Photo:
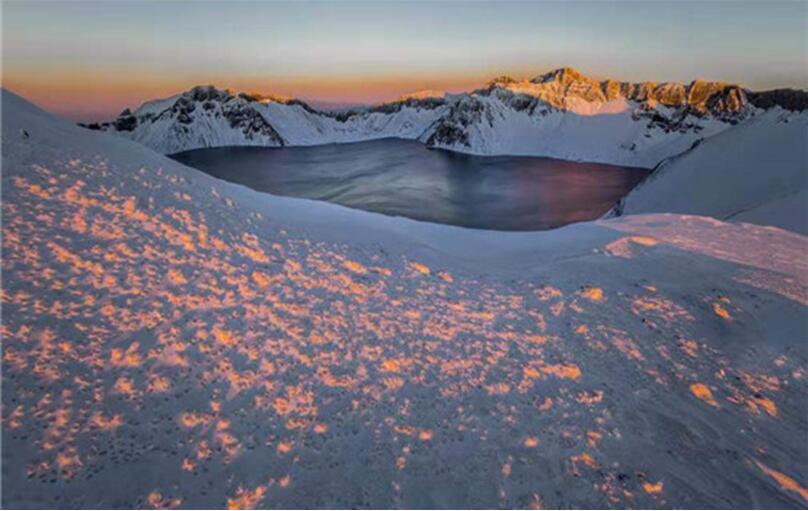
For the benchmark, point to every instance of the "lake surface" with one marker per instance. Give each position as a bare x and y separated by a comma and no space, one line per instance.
402,177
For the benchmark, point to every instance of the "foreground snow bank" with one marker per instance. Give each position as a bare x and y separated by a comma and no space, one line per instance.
212,346
757,172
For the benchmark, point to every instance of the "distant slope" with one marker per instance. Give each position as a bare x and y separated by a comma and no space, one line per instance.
756,172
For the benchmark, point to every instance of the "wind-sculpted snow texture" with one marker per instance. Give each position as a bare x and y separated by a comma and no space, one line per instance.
170,340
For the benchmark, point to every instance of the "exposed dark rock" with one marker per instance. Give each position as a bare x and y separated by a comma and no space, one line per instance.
207,93
251,123
451,130
125,122
789,99
447,134
396,106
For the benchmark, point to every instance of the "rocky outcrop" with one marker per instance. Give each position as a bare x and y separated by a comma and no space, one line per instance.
561,88
787,99
452,129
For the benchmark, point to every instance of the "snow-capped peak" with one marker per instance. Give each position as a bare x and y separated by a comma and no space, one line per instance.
562,75
566,88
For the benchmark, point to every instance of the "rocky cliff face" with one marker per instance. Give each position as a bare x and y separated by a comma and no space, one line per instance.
563,88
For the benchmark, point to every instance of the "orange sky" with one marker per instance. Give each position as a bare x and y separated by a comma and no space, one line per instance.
112,94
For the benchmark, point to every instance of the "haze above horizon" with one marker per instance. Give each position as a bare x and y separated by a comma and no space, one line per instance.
87,60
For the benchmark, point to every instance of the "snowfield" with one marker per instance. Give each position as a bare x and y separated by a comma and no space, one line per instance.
171,340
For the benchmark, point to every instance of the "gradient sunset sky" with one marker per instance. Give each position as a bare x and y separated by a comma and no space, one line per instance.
89,60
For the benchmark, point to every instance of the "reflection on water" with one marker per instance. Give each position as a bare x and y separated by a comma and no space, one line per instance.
402,177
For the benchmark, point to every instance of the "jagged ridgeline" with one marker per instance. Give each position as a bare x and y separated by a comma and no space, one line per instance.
561,89
562,114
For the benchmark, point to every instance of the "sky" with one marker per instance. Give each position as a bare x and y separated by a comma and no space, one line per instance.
87,60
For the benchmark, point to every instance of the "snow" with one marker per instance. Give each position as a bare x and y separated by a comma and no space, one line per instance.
206,131
756,172
172,340
616,131
299,127
601,132
156,106
572,104
295,125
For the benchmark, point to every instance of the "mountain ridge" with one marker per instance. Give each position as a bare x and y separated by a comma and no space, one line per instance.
616,122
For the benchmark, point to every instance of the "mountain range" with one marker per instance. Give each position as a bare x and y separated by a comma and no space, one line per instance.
562,114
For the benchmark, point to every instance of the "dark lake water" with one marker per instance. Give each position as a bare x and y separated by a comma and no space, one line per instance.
402,177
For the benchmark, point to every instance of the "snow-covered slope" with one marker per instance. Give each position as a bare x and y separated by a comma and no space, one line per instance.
210,346
757,172
567,115
561,114
490,125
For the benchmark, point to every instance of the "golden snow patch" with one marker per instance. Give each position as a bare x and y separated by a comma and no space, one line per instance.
566,371
720,311
653,487
702,392
420,268
594,294
246,499
260,278
644,240
355,267
786,483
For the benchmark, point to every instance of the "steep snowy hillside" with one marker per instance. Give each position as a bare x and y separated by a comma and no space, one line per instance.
208,117
171,340
757,172
561,114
